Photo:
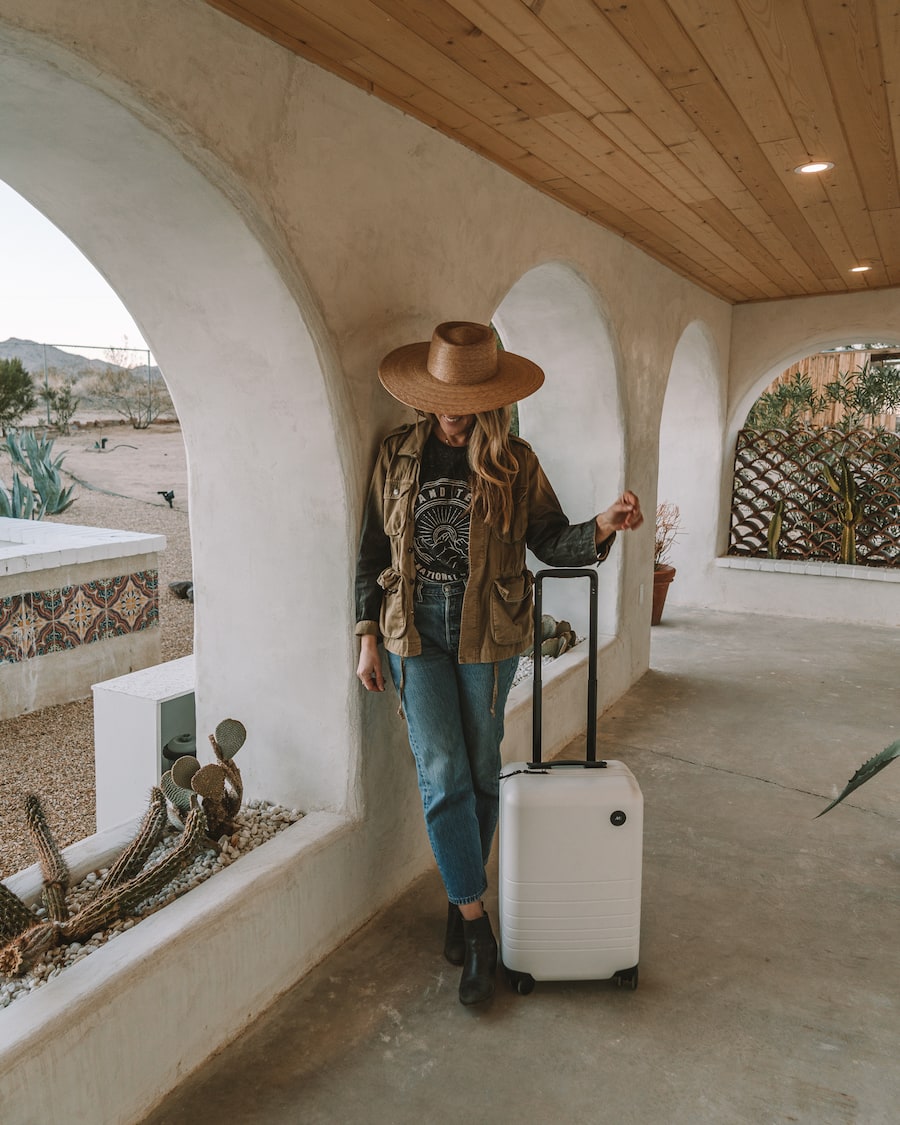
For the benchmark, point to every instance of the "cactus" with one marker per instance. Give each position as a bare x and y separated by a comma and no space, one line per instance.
557,637
850,509
177,796
774,533
183,770
15,917
218,784
209,782
53,867
23,951
109,906
230,736
208,808
225,804
133,858
119,902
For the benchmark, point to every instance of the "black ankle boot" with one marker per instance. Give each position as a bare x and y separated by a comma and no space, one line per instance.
477,981
454,942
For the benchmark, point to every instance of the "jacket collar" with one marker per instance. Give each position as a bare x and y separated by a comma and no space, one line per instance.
412,442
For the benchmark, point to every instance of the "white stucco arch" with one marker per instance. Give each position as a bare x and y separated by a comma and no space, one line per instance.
690,456
768,337
250,377
553,316
776,366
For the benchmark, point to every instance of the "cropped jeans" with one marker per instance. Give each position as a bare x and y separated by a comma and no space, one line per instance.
455,738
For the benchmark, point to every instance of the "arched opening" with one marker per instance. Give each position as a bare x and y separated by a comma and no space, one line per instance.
574,422
249,377
690,456
817,462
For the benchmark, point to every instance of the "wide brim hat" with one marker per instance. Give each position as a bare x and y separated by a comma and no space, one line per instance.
460,370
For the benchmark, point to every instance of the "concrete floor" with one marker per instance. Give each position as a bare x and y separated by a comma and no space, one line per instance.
770,970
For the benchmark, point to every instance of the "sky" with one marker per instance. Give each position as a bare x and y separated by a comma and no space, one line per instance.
49,292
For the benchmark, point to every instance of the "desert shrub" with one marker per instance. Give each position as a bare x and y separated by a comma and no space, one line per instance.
16,392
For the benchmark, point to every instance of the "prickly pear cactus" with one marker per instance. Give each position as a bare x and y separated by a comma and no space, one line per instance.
231,734
557,637
218,784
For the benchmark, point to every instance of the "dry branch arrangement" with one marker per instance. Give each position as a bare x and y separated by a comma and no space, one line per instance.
204,801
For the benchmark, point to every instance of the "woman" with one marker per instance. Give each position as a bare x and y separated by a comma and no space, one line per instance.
441,579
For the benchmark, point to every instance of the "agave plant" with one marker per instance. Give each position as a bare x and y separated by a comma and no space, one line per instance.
867,771
45,496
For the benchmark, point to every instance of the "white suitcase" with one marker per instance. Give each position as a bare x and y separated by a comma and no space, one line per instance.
571,843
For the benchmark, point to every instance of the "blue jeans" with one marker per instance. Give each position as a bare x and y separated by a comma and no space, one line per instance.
454,738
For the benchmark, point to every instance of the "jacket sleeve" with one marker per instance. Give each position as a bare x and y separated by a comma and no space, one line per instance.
554,540
374,553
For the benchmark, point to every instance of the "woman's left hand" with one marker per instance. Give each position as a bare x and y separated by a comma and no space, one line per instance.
623,514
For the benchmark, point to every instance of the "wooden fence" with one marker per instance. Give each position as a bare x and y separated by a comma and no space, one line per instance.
825,367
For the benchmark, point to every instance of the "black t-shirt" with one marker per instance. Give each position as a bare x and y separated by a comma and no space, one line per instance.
441,513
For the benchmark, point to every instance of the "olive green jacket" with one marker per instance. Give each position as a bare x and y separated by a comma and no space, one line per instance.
497,604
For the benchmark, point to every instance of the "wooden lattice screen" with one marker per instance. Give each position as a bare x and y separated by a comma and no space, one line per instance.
788,465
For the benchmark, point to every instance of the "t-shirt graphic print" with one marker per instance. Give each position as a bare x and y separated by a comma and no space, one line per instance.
441,514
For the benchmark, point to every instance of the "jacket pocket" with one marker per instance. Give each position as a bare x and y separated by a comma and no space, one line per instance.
395,605
511,609
518,528
396,504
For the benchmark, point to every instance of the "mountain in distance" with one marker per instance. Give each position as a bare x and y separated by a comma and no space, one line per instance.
66,363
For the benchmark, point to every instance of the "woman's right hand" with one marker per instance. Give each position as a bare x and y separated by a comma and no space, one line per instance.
369,669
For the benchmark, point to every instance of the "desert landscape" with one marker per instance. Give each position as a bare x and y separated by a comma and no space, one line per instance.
119,475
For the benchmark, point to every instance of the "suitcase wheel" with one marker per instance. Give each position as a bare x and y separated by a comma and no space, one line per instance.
523,983
627,978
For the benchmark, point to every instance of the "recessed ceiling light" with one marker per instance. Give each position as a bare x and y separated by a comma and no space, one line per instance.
859,269
813,167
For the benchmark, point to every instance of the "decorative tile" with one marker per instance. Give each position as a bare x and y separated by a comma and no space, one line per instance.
10,611
94,592
59,620
78,612
104,626
111,588
138,602
47,604
23,628
54,636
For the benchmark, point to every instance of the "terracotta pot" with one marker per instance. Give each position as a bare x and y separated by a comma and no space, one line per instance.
662,576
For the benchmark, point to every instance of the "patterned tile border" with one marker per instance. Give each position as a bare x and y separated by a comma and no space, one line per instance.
64,618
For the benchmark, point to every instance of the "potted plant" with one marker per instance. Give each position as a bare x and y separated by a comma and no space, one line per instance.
668,523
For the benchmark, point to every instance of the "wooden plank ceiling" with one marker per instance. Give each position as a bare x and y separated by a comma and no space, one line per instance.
676,123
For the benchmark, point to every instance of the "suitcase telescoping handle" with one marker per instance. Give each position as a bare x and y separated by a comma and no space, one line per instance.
591,750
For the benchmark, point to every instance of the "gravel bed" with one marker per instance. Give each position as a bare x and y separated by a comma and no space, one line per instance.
51,752
256,823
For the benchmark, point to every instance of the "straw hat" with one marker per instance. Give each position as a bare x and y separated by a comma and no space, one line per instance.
461,371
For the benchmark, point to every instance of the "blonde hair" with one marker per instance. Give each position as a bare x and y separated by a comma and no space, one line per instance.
494,467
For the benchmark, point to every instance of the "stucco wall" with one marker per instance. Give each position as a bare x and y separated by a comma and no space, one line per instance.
290,231
274,232
766,339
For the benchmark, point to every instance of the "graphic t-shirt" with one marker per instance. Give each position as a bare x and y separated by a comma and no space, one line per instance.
441,513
